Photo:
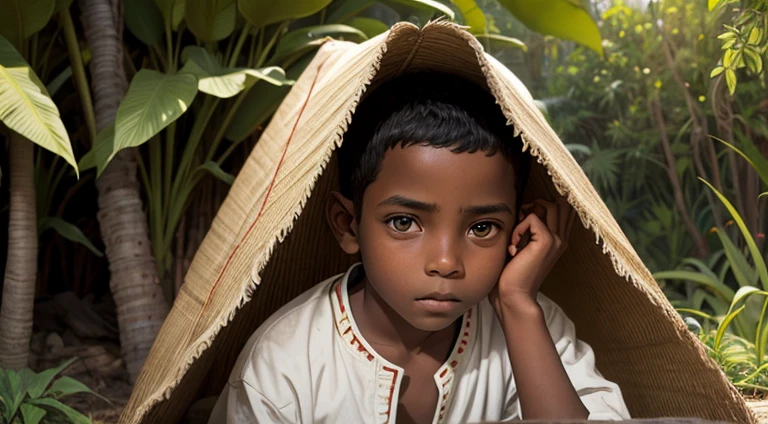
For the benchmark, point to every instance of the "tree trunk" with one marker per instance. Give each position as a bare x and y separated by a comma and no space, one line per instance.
141,307
699,243
21,268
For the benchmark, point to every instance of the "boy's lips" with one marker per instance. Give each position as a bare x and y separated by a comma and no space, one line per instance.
438,302
439,296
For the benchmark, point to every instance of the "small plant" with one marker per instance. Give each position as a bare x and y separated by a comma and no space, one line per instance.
743,361
27,397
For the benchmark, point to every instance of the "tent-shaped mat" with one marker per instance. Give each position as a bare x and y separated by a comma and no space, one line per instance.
269,242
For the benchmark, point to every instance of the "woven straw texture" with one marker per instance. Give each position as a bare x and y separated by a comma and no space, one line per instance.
269,243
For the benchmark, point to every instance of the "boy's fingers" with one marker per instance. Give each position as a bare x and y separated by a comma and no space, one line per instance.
552,215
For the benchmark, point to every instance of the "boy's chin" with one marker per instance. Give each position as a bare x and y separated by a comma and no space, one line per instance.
433,323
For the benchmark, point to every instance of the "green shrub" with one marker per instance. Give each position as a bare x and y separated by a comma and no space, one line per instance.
27,397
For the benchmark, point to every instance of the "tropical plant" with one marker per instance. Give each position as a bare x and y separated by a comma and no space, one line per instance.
744,361
27,397
745,42
28,112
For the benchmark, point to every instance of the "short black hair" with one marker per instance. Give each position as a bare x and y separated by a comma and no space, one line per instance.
430,109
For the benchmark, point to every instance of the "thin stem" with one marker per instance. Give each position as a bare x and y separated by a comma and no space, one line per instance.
44,61
201,122
252,49
230,45
169,43
33,51
177,210
758,335
228,152
177,52
225,124
239,45
78,71
156,201
154,59
143,171
170,139
270,44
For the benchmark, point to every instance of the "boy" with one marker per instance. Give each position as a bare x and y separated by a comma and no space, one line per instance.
407,335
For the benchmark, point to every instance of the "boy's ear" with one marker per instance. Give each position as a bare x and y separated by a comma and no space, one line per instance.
340,213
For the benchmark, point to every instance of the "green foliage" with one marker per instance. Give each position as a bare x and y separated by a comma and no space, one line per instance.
211,20
153,102
26,107
29,17
260,13
563,19
744,43
27,397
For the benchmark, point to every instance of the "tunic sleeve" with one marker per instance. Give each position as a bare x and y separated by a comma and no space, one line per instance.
601,397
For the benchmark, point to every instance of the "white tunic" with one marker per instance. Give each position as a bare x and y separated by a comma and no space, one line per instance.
308,363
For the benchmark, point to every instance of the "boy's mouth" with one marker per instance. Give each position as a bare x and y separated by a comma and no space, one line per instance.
439,297
438,302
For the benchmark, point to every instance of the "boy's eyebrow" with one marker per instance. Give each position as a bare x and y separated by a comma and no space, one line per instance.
399,200
487,209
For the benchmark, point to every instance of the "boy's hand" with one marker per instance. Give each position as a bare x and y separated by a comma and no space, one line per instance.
537,243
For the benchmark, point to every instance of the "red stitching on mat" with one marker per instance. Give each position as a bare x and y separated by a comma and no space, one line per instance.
266,196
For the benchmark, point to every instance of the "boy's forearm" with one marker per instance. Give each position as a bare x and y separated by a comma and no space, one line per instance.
543,387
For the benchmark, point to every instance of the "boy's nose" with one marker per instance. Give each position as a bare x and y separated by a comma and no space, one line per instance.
445,259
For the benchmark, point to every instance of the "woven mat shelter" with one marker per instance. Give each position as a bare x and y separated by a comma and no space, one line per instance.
269,242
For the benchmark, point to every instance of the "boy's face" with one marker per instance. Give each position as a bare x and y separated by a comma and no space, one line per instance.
434,231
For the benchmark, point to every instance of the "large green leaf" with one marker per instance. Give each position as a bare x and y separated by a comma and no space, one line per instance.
20,19
11,385
32,414
369,26
713,284
66,386
261,102
342,11
68,231
757,256
224,82
145,21
211,20
561,18
172,10
473,15
26,108
260,13
752,155
40,382
152,102
497,41
74,416
745,275
305,39
418,12
431,6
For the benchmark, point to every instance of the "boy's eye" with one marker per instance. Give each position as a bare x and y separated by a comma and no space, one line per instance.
401,224
483,229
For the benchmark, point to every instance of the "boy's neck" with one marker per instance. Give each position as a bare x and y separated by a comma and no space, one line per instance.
387,331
